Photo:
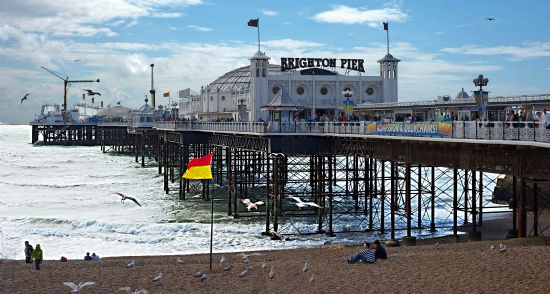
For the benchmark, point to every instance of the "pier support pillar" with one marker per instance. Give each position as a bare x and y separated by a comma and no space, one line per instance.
522,213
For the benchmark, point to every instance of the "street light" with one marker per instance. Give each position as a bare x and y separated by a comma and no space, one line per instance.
481,99
348,104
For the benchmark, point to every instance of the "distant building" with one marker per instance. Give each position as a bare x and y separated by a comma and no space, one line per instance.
247,93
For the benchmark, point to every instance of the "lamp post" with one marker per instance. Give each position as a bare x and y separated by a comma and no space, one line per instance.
481,99
348,93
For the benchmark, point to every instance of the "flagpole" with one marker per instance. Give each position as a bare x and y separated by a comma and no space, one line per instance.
258,34
211,229
388,39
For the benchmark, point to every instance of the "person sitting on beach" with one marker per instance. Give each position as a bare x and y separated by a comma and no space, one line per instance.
87,257
379,251
95,257
28,252
364,255
37,256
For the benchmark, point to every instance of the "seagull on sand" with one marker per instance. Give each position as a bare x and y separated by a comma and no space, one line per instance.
246,256
264,265
249,204
204,278
133,291
306,268
492,247
502,248
158,279
131,264
312,279
228,267
25,97
124,197
272,273
302,204
244,273
78,287
197,274
179,260
222,259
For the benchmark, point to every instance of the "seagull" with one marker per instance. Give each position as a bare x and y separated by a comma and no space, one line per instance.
246,256
502,247
228,267
78,287
272,272
492,247
302,204
222,259
277,236
91,92
133,291
244,273
196,196
124,197
249,204
264,265
204,278
490,18
76,60
25,97
179,260
312,279
158,278
197,274
306,268
131,264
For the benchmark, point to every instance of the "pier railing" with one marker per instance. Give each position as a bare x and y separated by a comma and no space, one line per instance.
482,130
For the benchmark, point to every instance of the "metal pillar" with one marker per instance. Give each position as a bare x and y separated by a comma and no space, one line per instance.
393,185
419,208
480,206
455,202
514,204
522,221
320,193
330,232
466,184
432,200
474,210
408,197
382,195
535,205
267,194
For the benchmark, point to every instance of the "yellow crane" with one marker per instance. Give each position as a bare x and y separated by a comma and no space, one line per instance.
67,83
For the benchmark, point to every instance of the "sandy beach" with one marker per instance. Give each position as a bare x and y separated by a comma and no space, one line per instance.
435,265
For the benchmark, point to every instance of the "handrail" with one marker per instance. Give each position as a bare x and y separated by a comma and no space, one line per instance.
482,130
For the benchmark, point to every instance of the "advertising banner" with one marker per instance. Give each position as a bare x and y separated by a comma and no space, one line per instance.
419,129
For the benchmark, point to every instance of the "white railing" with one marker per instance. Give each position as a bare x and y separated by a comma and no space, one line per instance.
518,131
114,124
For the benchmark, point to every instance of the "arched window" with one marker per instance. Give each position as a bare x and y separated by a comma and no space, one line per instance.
263,71
257,72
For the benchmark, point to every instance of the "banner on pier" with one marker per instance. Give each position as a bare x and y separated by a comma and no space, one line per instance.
199,168
419,129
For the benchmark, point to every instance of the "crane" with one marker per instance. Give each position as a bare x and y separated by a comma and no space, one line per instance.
152,91
66,83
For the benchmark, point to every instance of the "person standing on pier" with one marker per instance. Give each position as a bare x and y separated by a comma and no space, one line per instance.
37,255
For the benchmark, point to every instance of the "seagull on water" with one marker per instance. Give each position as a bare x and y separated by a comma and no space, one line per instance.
78,287
302,204
249,204
306,268
131,264
124,197
273,272
133,291
158,279
502,248
25,97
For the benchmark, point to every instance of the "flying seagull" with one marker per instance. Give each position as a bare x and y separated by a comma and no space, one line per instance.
490,18
78,287
91,92
249,204
302,204
25,97
76,60
124,197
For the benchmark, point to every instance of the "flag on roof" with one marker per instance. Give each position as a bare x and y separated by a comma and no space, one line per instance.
254,22
166,94
199,168
385,26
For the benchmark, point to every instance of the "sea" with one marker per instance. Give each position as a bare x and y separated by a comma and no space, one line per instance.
62,198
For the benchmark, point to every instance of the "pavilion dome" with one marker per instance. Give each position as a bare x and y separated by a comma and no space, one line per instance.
237,80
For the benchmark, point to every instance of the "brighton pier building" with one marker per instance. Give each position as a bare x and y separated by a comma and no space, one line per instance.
299,88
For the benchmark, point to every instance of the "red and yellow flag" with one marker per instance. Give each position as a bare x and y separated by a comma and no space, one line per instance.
199,168
166,94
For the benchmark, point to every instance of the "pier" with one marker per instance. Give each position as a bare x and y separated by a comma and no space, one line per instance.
386,178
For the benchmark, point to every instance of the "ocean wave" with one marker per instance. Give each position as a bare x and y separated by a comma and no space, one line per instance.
55,186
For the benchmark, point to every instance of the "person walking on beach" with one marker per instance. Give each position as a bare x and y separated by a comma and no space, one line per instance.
28,252
37,256
379,251
364,255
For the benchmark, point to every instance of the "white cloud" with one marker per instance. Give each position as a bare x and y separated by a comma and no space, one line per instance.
290,44
269,12
349,15
84,18
528,50
199,28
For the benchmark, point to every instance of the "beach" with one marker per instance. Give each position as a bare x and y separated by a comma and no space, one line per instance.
435,265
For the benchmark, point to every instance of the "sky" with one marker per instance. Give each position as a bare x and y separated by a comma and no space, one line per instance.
442,45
